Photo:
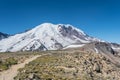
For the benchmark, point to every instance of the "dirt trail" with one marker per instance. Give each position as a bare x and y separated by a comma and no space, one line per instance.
12,72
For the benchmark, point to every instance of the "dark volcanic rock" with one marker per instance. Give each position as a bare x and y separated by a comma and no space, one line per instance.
104,47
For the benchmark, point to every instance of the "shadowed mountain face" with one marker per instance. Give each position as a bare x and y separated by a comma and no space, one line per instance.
104,48
3,35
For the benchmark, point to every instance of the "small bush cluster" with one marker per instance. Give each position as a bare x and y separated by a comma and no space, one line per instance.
7,63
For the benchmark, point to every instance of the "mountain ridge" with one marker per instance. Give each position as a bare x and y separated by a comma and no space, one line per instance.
46,36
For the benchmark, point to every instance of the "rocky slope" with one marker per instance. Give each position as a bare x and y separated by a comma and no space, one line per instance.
103,48
70,65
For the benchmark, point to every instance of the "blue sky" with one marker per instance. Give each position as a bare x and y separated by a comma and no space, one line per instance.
98,18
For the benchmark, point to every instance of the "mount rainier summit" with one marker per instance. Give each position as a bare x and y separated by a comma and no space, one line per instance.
47,36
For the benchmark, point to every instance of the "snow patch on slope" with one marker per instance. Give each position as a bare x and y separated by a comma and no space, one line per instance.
74,46
115,48
96,50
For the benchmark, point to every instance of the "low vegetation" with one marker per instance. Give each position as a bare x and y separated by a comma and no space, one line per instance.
4,65
66,65
9,59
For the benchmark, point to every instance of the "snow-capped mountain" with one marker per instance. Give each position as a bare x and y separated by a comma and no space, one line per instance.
46,36
3,35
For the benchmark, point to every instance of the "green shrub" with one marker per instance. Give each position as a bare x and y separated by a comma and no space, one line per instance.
4,65
11,61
